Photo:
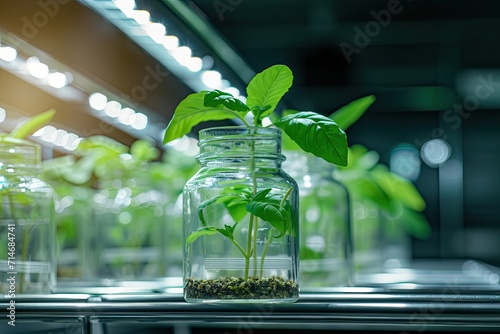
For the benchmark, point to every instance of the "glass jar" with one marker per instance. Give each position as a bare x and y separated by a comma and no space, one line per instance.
367,234
74,216
27,224
240,217
325,240
130,232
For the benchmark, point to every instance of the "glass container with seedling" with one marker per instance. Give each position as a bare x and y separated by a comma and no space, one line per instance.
27,227
240,211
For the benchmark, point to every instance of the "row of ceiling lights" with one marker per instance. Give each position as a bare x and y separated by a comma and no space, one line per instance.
112,110
34,67
211,79
99,103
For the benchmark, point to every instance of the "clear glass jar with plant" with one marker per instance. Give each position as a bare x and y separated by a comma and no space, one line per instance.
245,205
27,226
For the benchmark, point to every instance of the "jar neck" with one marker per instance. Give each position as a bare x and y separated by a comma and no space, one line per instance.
19,158
240,146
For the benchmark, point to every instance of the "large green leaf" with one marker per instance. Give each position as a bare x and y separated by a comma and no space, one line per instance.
350,113
32,124
398,188
235,205
190,112
316,134
267,88
274,214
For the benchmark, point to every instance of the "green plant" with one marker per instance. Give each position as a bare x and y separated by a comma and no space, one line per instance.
24,210
312,132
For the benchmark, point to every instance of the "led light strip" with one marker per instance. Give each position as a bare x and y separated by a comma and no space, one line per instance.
113,110
195,71
58,137
10,60
34,71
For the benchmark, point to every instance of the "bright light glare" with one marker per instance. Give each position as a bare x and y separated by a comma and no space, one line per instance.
98,101
36,68
233,91
139,121
59,134
141,16
57,80
2,115
58,137
125,116
435,152
126,6
156,31
8,54
195,64
113,109
170,42
186,145
211,79
266,121
182,54
48,133
72,145
405,161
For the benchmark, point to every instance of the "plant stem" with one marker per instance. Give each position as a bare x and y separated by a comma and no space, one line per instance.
255,232
270,236
253,224
264,251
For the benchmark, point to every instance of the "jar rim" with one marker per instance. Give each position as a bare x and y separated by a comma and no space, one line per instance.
219,131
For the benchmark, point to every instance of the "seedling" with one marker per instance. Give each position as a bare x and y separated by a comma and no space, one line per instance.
311,131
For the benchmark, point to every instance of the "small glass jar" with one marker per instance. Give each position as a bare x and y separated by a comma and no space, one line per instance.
27,224
240,217
325,239
130,232
367,234
74,216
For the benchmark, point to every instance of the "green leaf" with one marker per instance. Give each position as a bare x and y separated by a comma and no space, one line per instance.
274,214
32,124
316,134
235,205
350,113
267,88
414,223
207,230
91,144
216,98
191,112
361,186
261,194
398,188
143,150
227,231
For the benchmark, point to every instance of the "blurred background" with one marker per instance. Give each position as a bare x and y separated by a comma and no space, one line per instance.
118,69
